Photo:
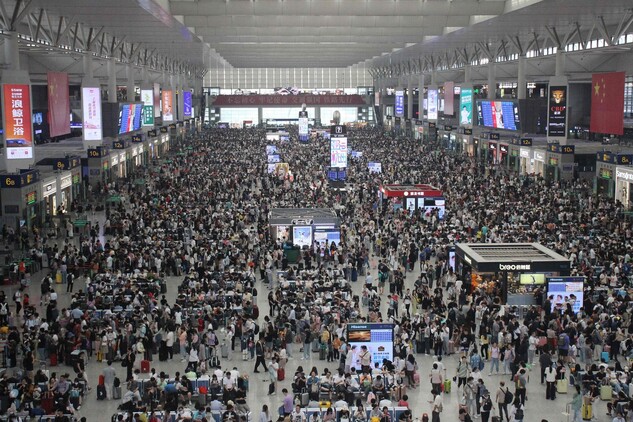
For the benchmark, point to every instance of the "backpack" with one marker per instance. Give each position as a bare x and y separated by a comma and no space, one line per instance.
487,405
561,340
518,414
3,308
256,330
508,396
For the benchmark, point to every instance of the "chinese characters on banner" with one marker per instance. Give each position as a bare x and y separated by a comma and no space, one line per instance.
17,121
186,99
91,108
168,110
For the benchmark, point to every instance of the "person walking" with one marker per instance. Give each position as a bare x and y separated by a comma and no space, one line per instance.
259,355
437,406
502,396
550,379
576,404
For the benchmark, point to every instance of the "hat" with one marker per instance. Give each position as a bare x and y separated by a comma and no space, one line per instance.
230,403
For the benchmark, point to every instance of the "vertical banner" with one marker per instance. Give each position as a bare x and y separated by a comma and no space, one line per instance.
58,104
157,100
168,106
557,112
607,103
432,104
18,128
377,98
466,107
449,88
147,98
91,108
303,126
399,110
186,103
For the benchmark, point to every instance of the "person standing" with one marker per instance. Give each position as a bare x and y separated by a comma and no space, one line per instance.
109,374
576,404
550,378
486,407
546,361
70,279
437,406
17,298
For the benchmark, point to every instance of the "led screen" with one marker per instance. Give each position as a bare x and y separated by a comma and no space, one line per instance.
378,338
498,114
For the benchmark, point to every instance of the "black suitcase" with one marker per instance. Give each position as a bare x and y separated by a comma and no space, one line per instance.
163,354
322,352
163,287
419,347
315,345
271,388
101,392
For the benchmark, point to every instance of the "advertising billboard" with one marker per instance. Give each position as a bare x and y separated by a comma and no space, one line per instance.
91,107
432,105
130,117
557,111
566,290
168,106
186,103
302,236
466,107
147,98
338,152
400,103
18,128
498,114
377,337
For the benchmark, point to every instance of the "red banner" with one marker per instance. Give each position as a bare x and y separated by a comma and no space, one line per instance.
18,127
58,104
607,103
289,100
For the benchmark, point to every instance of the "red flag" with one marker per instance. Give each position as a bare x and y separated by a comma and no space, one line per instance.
607,103
58,104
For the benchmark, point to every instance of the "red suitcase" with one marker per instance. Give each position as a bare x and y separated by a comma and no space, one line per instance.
281,374
101,380
144,366
53,359
48,403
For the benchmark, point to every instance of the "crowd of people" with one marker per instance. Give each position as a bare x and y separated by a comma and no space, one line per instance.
202,216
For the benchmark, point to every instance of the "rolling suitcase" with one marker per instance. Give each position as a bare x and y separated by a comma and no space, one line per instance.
53,359
116,393
245,354
561,386
322,352
604,357
451,347
224,351
447,386
101,392
144,366
163,355
586,412
354,274
606,392
315,346
281,374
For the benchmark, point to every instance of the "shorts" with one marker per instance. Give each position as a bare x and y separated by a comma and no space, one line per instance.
562,352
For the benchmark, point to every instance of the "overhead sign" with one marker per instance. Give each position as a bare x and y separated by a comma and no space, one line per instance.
432,104
118,144
286,100
168,106
147,98
18,128
466,106
561,149
338,152
19,180
67,163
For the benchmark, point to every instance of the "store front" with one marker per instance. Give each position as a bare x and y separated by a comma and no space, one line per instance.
464,141
64,190
98,166
623,188
606,164
504,160
539,162
49,197
72,165
20,199
515,272
425,199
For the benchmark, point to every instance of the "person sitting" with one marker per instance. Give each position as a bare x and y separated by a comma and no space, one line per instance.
130,400
378,387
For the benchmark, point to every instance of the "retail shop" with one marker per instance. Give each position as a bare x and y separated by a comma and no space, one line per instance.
559,162
66,166
539,162
98,169
623,188
606,165
448,137
20,195
516,271
465,143
519,156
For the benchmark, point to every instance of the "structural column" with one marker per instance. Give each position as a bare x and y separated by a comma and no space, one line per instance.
521,82
410,99
129,70
467,74
112,80
421,98
11,52
492,80
560,63
179,91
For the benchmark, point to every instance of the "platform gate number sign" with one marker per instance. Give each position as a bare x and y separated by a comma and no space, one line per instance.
338,146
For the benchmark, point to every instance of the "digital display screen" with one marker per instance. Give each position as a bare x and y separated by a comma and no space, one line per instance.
338,152
186,101
271,149
273,158
451,260
303,129
557,111
498,114
357,154
375,167
566,290
168,106
432,105
302,236
466,107
378,338
147,98
429,204
400,103
17,121
324,238
130,117
532,279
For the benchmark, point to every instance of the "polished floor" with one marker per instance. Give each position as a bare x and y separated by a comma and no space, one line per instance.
536,408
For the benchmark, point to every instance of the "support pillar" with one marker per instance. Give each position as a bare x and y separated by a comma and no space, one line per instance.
421,98
467,74
521,83
11,52
129,71
179,91
111,80
560,63
492,80
410,99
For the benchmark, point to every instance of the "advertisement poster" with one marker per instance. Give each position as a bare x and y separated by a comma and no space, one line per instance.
91,106
58,103
338,152
147,98
378,338
449,88
566,290
466,107
157,103
376,98
374,167
302,236
18,127
432,105
400,103
168,110
303,129
186,101
557,111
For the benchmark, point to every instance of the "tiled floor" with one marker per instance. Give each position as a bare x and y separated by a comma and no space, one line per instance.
536,409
